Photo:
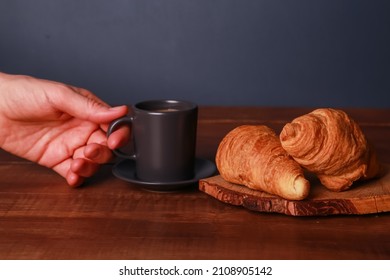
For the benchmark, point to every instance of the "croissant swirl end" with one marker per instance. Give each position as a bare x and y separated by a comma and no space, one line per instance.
251,155
330,144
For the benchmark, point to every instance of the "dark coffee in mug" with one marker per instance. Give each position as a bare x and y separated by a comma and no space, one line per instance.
165,110
164,139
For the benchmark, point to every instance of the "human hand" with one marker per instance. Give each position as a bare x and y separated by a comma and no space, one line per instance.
58,126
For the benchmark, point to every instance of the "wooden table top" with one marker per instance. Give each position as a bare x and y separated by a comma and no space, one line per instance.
42,218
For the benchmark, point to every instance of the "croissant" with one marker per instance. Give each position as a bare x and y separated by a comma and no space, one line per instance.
252,155
330,144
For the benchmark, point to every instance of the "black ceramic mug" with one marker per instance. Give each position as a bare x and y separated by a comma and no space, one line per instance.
164,139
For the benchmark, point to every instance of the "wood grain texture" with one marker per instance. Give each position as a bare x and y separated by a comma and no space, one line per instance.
368,197
42,218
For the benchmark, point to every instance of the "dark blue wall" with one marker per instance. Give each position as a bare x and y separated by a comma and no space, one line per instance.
229,52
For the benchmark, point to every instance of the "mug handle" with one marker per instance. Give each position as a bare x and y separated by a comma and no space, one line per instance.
113,126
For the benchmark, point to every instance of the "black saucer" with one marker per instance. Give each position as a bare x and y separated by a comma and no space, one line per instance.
125,170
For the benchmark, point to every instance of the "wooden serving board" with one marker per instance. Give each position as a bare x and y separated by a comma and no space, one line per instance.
366,197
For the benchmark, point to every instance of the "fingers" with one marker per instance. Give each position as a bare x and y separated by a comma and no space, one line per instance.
94,155
87,160
98,153
86,164
83,167
73,179
119,138
83,104
79,170
64,169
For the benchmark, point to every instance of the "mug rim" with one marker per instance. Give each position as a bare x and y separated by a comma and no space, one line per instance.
186,106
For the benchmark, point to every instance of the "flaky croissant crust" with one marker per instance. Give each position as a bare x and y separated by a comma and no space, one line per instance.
252,155
330,144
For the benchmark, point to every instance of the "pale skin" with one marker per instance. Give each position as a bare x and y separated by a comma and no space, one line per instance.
58,126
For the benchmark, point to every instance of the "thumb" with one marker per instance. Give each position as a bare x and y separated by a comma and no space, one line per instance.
83,104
